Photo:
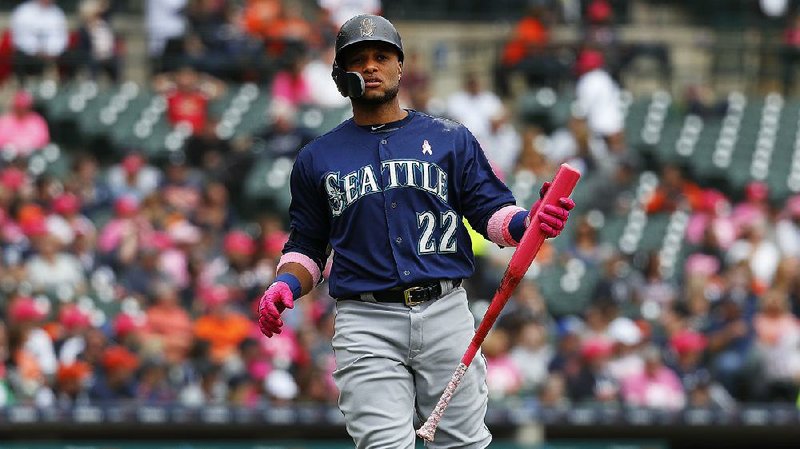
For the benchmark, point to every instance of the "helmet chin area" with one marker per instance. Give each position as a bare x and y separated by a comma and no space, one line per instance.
350,84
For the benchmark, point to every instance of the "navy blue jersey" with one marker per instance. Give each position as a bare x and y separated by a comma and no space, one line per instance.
389,200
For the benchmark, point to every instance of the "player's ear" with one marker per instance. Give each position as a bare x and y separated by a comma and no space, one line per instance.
400,74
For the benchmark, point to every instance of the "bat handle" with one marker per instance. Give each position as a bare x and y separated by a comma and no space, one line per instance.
429,428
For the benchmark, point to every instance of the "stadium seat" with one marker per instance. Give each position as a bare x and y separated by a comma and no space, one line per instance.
268,182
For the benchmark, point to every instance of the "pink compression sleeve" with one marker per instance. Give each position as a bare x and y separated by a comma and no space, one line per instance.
303,260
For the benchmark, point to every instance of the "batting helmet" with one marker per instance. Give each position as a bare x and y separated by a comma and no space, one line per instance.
363,28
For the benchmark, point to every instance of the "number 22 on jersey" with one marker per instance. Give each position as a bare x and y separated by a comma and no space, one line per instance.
428,222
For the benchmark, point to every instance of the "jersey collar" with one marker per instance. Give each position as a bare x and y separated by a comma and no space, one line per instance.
388,127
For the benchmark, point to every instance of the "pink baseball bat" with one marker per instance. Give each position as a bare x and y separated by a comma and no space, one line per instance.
564,182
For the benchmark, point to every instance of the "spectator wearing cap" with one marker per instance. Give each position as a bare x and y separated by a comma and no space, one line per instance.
75,322
127,328
72,382
133,176
591,379
711,226
122,235
32,220
39,33
78,232
753,208
116,380
221,325
687,347
29,341
598,95
169,326
656,386
22,130
68,206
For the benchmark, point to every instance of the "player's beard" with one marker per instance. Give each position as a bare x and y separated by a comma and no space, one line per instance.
388,95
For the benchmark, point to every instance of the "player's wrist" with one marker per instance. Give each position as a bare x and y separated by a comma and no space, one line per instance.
293,282
516,227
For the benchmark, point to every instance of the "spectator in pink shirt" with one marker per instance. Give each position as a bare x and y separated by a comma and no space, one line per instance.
22,130
655,387
290,85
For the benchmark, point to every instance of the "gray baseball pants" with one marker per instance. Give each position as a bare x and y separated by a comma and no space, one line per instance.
394,361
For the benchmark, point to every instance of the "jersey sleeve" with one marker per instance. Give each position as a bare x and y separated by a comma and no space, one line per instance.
482,192
308,213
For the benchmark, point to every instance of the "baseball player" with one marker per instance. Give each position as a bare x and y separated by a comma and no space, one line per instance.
386,191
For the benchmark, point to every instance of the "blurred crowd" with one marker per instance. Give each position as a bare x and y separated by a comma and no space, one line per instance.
136,280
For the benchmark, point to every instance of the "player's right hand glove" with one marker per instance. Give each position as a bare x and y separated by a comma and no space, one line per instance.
553,218
275,300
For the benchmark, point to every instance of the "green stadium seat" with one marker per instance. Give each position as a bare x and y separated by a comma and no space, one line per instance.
268,182
567,291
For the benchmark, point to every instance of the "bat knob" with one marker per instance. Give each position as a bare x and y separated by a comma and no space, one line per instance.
426,431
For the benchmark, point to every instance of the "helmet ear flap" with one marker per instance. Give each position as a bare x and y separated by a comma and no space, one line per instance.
350,84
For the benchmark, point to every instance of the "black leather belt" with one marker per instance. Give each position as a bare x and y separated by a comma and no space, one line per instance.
410,296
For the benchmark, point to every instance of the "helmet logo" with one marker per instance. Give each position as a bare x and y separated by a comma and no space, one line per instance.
367,27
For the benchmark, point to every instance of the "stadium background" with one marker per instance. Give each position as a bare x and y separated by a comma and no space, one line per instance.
134,245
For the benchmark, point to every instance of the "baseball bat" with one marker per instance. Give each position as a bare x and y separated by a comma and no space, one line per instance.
563,183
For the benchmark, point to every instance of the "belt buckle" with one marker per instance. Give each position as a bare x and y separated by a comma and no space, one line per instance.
408,296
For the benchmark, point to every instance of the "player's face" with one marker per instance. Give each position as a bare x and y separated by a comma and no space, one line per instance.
379,64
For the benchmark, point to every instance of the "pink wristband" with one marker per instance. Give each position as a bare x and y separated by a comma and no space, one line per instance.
497,227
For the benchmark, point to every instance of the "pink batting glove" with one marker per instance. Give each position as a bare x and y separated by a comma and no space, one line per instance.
552,218
275,300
